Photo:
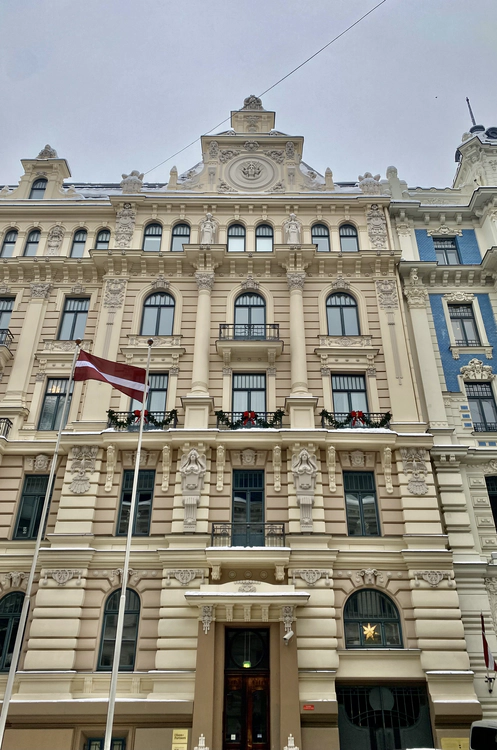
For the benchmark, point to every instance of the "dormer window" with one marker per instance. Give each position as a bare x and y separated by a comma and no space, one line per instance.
38,189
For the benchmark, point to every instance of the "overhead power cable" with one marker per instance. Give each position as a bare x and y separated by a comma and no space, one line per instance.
342,33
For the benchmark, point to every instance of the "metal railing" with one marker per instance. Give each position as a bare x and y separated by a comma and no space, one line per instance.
249,332
245,420
6,338
129,421
248,534
467,342
5,427
485,426
356,419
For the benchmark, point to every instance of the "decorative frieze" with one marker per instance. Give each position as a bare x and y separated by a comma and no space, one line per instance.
377,227
125,225
134,576
296,281
205,280
184,576
277,468
207,616
358,459
61,576
193,467
417,296
220,463
54,240
433,577
369,576
114,293
459,296
287,617
331,461
345,341
414,462
111,458
83,463
166,467
387,469
15,579
476,370
40,291
491,586
311,576
40,463
387,294
305,469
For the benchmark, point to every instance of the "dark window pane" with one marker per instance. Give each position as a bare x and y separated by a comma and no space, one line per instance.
130,631
144,497
31,506
103,239
38,189
180,237
32,243
9,243
152,237
348,239
53,404
158,315
361,504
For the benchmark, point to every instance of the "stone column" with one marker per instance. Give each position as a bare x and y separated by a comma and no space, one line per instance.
300,404
197,403
417,299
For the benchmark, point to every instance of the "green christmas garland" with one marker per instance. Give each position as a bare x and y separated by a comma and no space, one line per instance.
133,418
355,418
250,418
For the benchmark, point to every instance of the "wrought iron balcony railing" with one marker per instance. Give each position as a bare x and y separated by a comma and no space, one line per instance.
249,332
248,534
6,338
467,342
245,420
356,419
129,421
485,426
5,427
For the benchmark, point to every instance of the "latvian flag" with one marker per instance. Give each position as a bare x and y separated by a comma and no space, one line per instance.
487,654
126,378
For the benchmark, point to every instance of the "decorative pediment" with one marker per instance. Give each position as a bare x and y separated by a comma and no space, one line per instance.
165,349
476,370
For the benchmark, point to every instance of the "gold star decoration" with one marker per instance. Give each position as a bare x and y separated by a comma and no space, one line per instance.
369,631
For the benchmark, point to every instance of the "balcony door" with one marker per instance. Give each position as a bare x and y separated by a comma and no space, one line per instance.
248,508
249,393
250,317
246,690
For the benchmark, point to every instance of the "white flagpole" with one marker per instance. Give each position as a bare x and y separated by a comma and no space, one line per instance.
124,580
41,533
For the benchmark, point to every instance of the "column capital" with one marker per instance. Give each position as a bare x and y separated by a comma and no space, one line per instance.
205,280
416,296
40,291
296,280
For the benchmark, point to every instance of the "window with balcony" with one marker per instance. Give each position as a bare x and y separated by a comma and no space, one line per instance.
371,620
361,503
102,240
464,326
236,238
342,317
349,393
446,251
264,238
250,316
78,243
152,238
10,614
9,244
53,403
130,633
482,406
31,506
157,395
143,507
31,246
249,393
180,236
38,189
320,235
349,242
158,315
74,317
6,307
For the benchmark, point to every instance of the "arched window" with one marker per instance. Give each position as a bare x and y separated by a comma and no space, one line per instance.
78,244
236,238
38,189
10,612
250,316
152,237
341,313
348,239
180,237
130,632
32,243
158,315
9,243
264,238
321,237
103,239
371,620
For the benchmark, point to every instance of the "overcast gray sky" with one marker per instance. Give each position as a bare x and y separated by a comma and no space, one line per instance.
116,85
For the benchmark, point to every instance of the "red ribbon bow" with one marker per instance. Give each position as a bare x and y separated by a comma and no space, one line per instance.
357,416
249,416
137,413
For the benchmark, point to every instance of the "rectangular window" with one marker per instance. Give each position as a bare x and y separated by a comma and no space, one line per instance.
248,508
53,403
349,393
446,251
157,395
361,503
32,498
98,744
6,307
249,393
74,317
464,325
143,509
492,495
482,406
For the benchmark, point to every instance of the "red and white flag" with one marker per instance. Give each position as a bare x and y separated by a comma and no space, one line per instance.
487,654
125,378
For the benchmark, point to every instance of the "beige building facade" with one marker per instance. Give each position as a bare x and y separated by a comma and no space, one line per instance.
304,557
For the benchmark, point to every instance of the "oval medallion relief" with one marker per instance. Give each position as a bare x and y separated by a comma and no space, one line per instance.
251,173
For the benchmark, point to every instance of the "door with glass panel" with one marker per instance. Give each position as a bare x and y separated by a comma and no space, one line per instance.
349,393
250,317
249,396
246,690
248,508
